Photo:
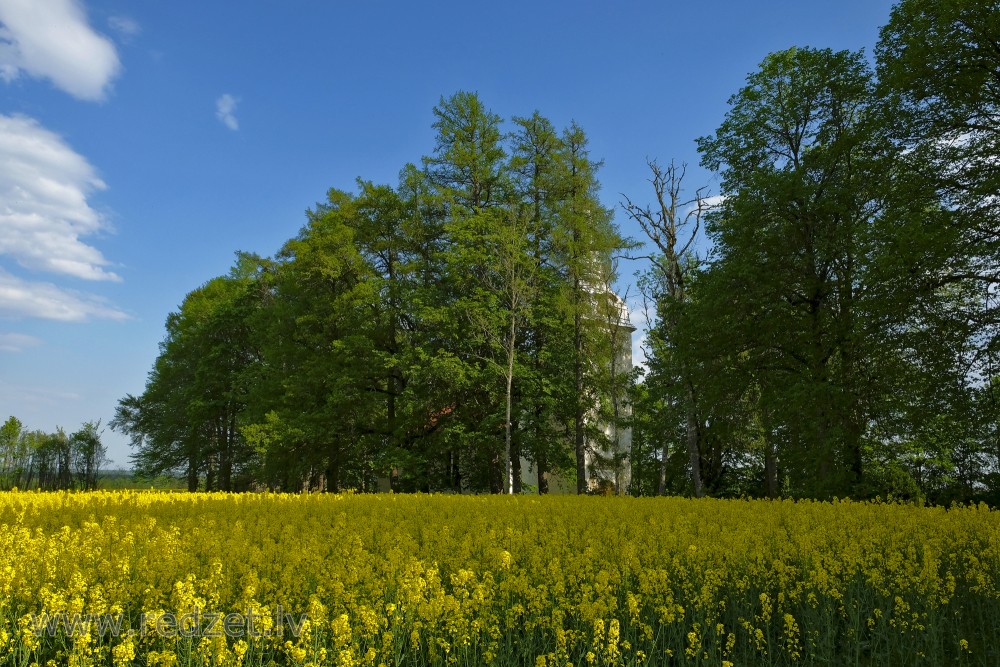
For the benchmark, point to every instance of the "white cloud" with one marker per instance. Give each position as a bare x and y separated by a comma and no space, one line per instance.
44,186
22,298
15,342
44,211
126,27
50,39
711,202
225,110
706,205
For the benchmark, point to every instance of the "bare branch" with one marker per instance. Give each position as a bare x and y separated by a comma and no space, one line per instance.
673,218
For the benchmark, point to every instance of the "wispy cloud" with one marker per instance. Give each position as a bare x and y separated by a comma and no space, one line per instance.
225,110
51,39
44,186
35,396
126,27
22,298
15,342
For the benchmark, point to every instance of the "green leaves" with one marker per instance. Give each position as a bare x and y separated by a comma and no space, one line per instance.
422,333
843,325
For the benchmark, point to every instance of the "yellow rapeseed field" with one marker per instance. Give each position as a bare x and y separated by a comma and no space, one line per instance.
171,579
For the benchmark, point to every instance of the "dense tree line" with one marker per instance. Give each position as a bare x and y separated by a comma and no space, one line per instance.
50,461
840,337
435,333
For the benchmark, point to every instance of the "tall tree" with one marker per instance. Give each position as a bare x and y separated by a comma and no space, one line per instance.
422,332
939,66
673,226
188,416
500,308
469,171
89,454
322,371
586,241
535,164
10,438
818,204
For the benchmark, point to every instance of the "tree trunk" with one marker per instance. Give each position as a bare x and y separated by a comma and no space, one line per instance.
515,461
694,451
771,470
579,432
227,435
509,468
210,474
192,475
541,466
333,471
456,472
661,489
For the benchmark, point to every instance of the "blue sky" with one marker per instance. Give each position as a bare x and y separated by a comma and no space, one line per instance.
142,143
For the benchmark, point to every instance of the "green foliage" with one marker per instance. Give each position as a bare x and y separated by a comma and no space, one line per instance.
35,459
187,418
840,339
429,334
841,336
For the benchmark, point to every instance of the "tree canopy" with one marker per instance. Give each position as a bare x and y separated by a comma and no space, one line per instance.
838,336
435,334
826,325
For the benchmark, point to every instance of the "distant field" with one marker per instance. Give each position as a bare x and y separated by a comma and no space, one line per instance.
200,579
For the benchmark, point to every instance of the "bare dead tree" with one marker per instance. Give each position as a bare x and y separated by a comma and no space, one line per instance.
672,225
